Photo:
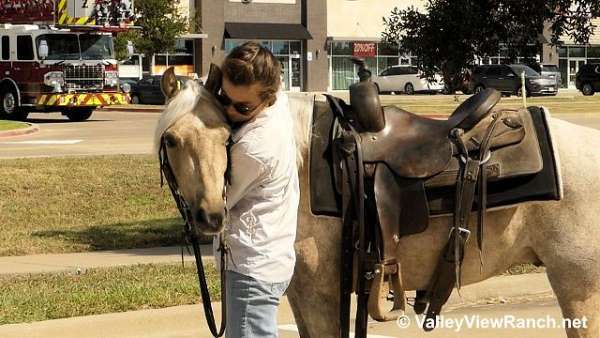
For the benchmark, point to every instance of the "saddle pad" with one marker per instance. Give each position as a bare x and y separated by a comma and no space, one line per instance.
324,199
541,186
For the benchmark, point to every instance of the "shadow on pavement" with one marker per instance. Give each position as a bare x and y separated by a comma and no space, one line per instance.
142,234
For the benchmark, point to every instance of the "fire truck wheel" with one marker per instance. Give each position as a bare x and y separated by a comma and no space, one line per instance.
8,105
135,99
80,114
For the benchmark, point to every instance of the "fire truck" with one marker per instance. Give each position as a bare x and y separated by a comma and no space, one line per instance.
58,56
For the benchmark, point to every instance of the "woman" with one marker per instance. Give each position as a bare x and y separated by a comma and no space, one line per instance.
263,196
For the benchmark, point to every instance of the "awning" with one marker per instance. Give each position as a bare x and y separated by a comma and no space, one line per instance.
354,38
275,31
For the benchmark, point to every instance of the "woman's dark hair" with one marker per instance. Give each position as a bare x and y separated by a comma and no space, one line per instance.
250,63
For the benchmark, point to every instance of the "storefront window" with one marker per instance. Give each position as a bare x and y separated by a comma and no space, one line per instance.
386,62
295,47
343,71
562,51
266,44
342,48
577,52
562,66
593,52
343,74
385,49
281,47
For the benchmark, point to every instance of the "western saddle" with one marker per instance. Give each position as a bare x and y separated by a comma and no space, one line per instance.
391,170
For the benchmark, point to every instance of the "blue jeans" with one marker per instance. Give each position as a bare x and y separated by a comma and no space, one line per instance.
251,306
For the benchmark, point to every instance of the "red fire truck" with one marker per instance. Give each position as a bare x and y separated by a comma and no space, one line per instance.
58,56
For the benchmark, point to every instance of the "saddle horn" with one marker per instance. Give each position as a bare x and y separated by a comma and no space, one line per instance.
364,99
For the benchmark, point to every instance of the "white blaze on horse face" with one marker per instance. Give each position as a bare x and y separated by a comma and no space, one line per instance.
199,162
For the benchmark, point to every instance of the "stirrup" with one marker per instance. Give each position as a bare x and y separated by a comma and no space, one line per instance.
379,292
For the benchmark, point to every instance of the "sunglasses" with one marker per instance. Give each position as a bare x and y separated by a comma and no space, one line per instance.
239,107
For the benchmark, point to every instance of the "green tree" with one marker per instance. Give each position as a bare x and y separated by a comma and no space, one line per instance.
161,23
121,41
450,34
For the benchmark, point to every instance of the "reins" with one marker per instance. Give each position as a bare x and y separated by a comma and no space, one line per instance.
192,237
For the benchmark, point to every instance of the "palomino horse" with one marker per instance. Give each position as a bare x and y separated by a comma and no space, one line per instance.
561,235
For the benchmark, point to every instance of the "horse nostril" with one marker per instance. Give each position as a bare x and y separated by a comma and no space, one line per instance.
201,216
216,218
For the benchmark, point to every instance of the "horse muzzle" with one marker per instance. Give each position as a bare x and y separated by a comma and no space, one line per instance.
208,223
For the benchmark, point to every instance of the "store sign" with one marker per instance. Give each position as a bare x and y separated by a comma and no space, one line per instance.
364,49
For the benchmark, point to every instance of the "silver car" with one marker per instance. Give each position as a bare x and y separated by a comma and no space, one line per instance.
406,79
552,71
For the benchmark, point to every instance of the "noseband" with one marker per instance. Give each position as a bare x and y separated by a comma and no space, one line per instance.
192,237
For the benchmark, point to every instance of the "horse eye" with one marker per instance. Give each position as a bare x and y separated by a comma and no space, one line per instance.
170,140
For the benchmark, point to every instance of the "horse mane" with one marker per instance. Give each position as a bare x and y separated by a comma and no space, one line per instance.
185,102
301,107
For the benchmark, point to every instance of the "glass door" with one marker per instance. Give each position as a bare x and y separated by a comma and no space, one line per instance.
295,73
285,71
574,65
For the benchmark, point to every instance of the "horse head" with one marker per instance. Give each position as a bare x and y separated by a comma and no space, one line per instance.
191,138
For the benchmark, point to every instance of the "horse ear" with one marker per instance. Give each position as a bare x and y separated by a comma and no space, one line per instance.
214,79
169,84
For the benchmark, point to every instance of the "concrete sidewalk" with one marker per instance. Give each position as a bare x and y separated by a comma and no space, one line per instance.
96,259
188,320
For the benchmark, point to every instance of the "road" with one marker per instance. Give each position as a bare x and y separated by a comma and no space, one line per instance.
105,133
121,133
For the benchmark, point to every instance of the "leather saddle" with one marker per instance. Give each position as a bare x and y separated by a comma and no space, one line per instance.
416,168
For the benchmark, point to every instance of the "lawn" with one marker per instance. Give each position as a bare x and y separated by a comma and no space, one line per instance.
39,297
9,125
74,204
445,104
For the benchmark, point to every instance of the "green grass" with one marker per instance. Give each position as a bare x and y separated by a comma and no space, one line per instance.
96,291
10,125
445,104
74,204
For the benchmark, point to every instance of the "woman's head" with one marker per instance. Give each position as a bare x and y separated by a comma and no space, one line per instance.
251,79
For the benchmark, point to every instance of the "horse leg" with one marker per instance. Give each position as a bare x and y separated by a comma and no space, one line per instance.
296,310
313,292
577,302
571,261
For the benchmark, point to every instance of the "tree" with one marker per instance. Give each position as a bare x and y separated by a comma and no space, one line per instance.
121,41
161,24
451,34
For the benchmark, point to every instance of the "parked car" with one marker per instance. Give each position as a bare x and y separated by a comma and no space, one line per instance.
588,79
406,79
147,90
552,71
507,79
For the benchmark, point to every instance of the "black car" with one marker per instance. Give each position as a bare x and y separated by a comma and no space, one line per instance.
507,79
588,79
147,90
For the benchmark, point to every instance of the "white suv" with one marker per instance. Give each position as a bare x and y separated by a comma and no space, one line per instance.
406,79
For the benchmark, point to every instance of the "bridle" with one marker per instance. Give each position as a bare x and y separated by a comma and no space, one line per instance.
192,237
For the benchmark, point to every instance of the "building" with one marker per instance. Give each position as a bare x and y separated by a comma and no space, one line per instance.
569,56
294,30
352,33
315,39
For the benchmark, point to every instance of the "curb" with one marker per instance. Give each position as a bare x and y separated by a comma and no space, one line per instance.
133,109
21,131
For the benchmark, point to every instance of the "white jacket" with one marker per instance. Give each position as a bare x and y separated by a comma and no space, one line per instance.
263,196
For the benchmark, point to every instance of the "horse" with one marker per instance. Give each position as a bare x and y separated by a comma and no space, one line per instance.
561,235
